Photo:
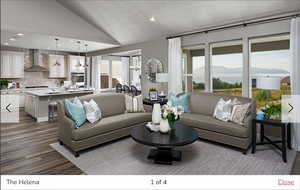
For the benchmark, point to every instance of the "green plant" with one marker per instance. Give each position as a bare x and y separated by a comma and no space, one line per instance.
272,110
4,83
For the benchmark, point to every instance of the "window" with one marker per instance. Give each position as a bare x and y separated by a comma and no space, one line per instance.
116,73
104,74
227,67
194,69
269,58
135,71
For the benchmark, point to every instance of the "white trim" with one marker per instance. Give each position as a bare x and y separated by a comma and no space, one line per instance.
207,72
246,67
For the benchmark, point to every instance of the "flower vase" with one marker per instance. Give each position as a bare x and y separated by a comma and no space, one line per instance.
156,114
164,126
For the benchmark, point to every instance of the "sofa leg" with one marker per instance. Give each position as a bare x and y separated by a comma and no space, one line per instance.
76,154
244,151
61,143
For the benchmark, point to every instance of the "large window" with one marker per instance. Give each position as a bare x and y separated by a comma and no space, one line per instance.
104,74
227,67
116,73
112,71
269,58
194,69
135,71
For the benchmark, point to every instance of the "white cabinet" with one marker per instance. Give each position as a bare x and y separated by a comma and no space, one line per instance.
76,64
57,70
12,64
30,105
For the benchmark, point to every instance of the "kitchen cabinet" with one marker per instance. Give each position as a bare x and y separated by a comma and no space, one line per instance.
57,71
30,105
76,64
12,64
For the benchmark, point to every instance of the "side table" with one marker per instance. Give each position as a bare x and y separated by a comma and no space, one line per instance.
285,135
149,102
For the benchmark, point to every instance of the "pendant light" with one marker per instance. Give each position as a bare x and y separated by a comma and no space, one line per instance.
56,61
78,59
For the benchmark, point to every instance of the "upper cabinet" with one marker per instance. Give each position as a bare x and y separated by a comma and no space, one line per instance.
57,66
76,64
12,64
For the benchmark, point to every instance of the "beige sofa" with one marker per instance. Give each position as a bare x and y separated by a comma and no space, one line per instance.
114,124
202,106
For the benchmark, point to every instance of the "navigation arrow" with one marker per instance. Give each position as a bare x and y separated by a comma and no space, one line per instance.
7,107
291,107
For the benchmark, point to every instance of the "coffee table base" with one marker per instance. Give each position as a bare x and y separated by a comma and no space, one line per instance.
164,155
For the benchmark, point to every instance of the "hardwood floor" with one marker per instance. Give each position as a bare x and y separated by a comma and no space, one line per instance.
25,150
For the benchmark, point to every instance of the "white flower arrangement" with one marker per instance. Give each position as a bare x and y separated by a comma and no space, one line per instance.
172,113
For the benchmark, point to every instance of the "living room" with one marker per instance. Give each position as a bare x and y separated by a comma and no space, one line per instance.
158,88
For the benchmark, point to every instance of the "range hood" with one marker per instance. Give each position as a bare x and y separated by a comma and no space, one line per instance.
36,60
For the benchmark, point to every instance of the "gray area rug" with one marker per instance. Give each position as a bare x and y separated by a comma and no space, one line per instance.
126,157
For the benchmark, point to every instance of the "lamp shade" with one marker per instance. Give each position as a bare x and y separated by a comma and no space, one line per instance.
268,83
161,77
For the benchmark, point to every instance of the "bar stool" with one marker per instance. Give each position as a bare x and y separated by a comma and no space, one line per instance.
52,111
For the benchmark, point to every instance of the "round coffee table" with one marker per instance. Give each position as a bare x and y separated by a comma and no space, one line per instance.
164,152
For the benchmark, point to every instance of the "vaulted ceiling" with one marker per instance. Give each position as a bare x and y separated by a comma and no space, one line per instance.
127,21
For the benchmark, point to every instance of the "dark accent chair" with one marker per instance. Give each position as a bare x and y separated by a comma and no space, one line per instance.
118,88
126,89
134,91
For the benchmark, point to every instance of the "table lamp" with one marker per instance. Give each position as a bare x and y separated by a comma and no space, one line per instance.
162,78
268,84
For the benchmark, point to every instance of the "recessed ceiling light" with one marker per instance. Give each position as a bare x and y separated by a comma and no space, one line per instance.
20,34
6,44
152,19
12,39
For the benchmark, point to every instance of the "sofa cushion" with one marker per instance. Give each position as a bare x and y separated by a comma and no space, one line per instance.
203,103
213,124
110,103
109,124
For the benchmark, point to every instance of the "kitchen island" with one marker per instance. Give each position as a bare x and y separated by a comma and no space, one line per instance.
36,102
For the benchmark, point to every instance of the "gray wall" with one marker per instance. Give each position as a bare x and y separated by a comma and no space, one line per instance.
153,49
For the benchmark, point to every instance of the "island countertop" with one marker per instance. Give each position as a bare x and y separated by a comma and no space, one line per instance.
58,92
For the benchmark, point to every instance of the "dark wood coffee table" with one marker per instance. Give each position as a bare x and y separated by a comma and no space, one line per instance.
164,153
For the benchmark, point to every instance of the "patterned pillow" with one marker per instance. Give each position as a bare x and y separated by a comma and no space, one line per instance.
134,104
239,113
92,110
223,110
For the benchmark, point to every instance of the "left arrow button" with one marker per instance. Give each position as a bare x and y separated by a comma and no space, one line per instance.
7,107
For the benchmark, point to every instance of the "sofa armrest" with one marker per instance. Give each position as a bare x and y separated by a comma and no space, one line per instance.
66,125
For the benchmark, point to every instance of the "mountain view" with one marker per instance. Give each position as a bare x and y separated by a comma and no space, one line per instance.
233,75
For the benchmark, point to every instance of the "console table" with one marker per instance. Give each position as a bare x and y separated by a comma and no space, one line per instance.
285,135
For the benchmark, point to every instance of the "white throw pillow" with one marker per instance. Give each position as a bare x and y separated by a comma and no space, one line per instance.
223,110
92,110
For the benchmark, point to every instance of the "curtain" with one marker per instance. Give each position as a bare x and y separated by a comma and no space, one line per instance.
125,70
95,73
295,72
174,66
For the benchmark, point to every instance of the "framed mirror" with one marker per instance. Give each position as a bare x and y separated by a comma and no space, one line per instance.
152,67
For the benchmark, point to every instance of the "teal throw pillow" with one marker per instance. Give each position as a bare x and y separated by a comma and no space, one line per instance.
75,110
182,100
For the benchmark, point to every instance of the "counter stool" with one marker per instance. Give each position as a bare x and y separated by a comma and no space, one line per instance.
52,111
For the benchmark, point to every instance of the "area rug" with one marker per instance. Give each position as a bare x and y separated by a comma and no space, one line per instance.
126,157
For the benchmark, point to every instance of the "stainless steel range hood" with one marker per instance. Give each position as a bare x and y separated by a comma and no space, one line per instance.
36,60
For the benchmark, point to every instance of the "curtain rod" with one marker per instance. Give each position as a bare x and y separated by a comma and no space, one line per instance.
239,24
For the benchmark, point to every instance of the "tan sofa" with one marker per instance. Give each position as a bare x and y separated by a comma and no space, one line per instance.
114,124
202,106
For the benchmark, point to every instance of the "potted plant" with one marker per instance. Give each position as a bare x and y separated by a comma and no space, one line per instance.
272,111
3,84
170,114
